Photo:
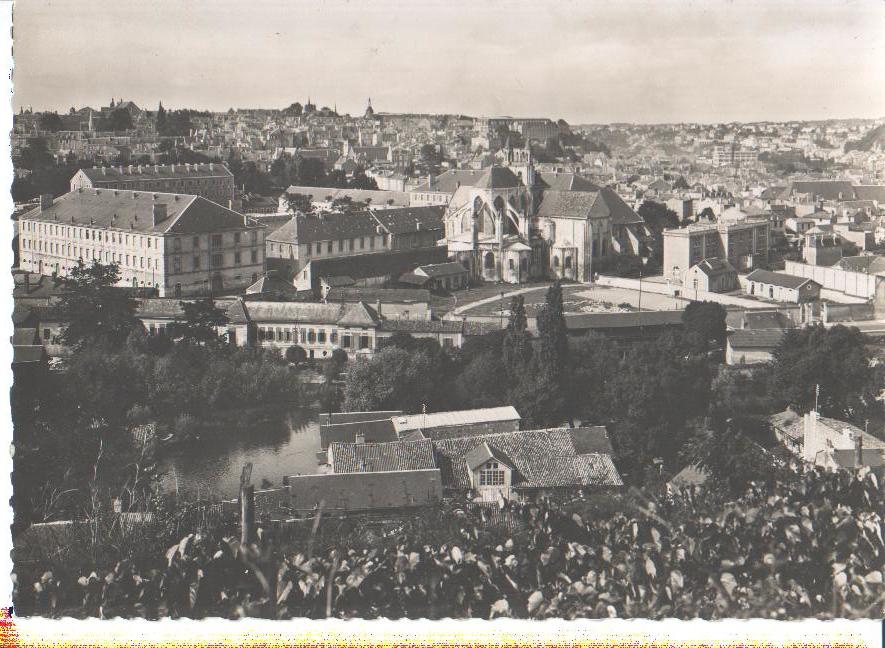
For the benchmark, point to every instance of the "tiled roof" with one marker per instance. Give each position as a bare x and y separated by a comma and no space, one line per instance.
539,458
458,417
159,307
382,457
765,320
132,211
592,439
870,263
358,314
137,173
334,418
289,312
778,279
755,339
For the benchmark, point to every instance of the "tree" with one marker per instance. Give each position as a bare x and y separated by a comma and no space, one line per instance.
200,324
161,118
94,308
835,360
704,324
51,122
553,335
298,202
516,344
658,218
120,120
392,379
309,172
296,354
707,214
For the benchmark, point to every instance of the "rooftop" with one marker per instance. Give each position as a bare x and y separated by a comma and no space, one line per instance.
408,422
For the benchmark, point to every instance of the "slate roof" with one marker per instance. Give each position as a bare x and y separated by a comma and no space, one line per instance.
269,285
159,307
360,315
371,295
286,312
765,320
28,354
755,338
566,204
419,326
564,182
691,475
378,430
136,173
714,266
591,439
132,211
497,177
334,418
794,426
870,263
449,181
826,189
539,458
581,321
870,192
379,264
411,219
382,457
25,337
310,228
448,269
375,196
778,279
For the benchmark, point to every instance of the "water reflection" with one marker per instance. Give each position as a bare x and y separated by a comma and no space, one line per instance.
285,444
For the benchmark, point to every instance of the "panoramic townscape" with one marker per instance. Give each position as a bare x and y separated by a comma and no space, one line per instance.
305,362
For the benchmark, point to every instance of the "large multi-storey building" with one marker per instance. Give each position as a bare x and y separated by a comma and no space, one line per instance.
179,244
211,181
744,244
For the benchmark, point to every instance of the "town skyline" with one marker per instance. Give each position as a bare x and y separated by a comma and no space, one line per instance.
629,64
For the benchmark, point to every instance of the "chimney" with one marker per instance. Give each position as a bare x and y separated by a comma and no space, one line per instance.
45,201
858,449
418,226
159,213
360,437
378,306
104,171
212,166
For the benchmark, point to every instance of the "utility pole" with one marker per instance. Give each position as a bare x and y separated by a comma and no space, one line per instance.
247,506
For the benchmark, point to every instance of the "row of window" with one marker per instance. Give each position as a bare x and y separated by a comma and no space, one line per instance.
215,261
50,229
312,336
317,248
75,252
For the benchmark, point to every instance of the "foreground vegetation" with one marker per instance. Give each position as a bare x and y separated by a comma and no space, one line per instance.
808,545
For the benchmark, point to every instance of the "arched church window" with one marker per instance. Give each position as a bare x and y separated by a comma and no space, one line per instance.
499,203
555,261
477,205
568,262
489,261
510,264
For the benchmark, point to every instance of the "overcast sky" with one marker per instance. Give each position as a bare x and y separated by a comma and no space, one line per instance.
585,61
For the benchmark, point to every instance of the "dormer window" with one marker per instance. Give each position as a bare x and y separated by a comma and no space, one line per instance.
491,474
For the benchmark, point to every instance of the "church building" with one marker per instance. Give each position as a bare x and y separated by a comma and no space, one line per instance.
512,223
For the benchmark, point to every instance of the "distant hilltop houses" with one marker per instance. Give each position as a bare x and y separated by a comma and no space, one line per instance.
374,215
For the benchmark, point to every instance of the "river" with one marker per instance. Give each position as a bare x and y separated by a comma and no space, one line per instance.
285,444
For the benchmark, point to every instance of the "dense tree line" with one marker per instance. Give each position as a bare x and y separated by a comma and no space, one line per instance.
118,377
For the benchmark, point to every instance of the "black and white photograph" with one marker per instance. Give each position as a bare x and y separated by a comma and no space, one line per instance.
489,310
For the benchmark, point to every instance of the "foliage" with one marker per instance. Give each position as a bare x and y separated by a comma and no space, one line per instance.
808,545
296,354
704,324
120,120
835,359
392,379
94,308
200,324
51,122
